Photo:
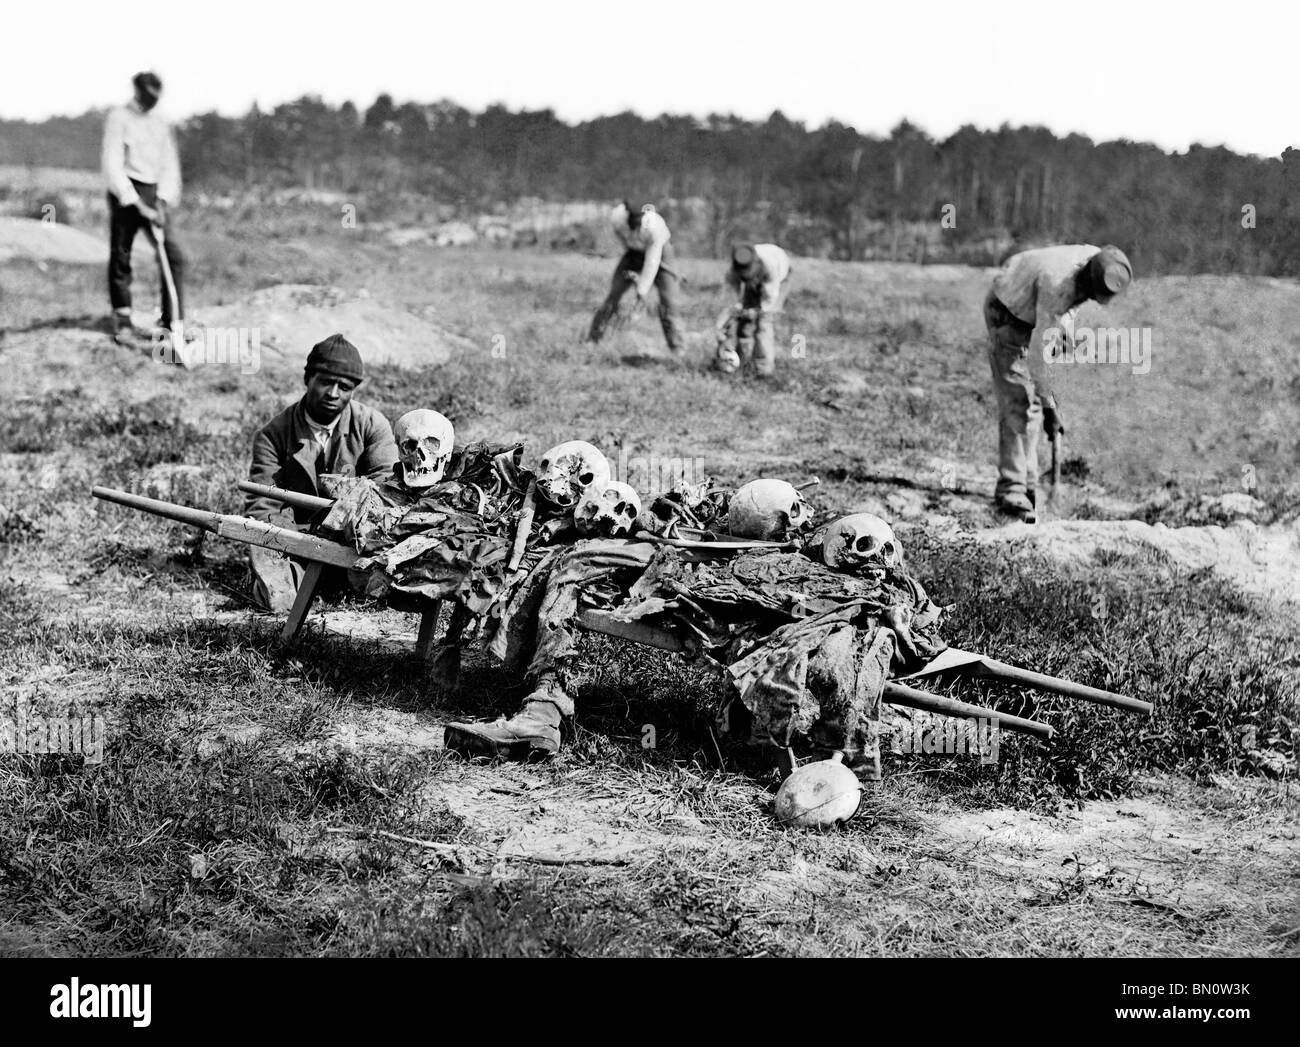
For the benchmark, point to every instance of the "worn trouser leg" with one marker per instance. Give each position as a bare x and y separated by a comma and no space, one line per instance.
765,345
275,579
618,287
1020,412
444,664
760,333
745,327
846,676
552,666
124,223
669,288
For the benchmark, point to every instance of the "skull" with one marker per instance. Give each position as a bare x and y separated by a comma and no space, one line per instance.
610,509
861,540
771,510
424,443
568,470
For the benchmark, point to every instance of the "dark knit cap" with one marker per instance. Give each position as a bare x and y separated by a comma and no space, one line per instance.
336,356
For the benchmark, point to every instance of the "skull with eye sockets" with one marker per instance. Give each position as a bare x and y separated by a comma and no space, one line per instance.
424,444
568,470
609,510
859,542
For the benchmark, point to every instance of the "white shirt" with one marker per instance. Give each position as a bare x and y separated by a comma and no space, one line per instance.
775,265
322,433
1039,287
140,146
650,238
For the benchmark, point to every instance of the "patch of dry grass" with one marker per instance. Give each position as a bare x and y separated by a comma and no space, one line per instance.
229,817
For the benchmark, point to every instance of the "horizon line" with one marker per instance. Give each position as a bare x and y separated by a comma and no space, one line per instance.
807,125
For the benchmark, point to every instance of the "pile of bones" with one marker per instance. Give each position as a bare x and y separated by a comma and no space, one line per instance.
807,618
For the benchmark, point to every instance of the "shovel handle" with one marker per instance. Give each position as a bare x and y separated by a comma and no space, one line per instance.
1055,685
293,498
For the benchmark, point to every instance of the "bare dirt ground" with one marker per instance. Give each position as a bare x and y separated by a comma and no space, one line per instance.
613,848
287,314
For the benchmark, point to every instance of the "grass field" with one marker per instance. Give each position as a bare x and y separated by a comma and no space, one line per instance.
257,801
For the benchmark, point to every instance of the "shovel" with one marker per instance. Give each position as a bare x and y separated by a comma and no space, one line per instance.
1056,467
177,329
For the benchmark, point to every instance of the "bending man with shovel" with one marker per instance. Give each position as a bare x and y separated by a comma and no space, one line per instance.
759,274
1037,292
647,262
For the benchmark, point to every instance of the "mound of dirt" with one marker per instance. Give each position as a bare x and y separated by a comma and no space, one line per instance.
1261,560
49,242
291,318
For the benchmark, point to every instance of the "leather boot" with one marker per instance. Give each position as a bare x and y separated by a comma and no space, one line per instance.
1017,505
532,732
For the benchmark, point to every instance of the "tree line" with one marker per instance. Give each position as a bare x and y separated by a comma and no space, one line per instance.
829,190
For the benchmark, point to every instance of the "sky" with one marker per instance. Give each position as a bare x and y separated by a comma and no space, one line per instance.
1149,70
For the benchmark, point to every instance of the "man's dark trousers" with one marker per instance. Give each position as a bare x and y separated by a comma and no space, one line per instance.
124,223
666,281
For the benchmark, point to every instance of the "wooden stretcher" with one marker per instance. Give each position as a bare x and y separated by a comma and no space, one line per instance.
319,553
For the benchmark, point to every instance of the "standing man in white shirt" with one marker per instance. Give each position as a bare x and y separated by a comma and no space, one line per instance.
647,262
143,172
759,274
1038,292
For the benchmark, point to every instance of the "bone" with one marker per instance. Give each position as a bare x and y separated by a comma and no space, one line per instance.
608,510
724,545
553,527
524,526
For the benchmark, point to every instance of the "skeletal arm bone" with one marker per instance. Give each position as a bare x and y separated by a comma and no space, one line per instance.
523,527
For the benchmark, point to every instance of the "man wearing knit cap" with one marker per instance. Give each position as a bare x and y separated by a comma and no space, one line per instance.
143,172
1034,299
324,432
647,261
759,274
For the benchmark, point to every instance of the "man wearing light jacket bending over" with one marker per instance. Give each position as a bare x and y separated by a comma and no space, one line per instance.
143,173
647,262
1033,300
759,274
